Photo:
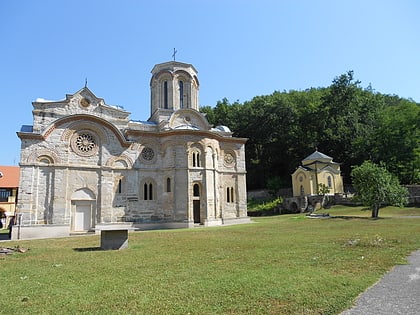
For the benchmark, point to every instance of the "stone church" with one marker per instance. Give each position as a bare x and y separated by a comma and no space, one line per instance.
86,164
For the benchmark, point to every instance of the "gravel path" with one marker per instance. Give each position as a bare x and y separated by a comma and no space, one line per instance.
398,292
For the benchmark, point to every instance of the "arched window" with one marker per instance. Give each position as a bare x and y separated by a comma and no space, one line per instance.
181,94
148,191
196,159
329,182
165,94
302,190
196,190
168,185
120,186
229,194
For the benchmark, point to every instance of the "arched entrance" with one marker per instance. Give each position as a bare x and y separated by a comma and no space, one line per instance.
83,205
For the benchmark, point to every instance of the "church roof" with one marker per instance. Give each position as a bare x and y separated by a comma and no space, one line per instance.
317,156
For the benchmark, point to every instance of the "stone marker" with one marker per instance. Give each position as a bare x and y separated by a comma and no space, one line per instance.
114,239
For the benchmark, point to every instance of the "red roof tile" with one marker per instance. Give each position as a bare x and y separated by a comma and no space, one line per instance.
9,176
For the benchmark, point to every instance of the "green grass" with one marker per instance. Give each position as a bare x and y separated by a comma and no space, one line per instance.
286,264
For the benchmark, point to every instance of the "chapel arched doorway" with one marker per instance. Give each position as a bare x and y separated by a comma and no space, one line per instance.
83,208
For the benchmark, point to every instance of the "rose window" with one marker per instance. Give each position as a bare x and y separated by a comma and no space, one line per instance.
84,143
229,159
147,154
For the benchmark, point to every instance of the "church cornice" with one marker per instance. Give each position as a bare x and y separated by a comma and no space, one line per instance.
76,118
184,132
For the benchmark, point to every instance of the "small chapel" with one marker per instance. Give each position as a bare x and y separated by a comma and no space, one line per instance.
317,168
85,164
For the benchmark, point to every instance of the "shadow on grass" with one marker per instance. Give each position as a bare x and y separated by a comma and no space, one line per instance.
352,217
88,249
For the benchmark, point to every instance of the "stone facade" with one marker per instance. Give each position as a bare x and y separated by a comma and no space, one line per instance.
85,163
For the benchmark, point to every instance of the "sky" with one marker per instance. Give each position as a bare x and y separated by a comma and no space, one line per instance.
241,49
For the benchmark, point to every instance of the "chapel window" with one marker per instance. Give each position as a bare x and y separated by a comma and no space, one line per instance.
120,186
302,190
329,182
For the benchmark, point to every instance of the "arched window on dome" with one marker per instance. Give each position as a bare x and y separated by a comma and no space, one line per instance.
181,94
165,95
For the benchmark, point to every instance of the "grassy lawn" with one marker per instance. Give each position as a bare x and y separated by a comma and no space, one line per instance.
287,264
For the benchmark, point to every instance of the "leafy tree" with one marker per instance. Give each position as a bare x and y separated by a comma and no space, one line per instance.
323,190
396,141
376,187
343,120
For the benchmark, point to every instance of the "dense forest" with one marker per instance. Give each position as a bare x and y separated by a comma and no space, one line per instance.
345,121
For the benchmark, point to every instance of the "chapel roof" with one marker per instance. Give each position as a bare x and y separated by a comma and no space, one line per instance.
317,156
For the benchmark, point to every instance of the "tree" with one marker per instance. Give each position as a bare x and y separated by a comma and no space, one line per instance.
323,190
376,187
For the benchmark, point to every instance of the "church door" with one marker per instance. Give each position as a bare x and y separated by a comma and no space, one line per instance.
196,209
82,216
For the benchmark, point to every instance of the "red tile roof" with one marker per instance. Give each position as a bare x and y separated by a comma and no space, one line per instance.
9,176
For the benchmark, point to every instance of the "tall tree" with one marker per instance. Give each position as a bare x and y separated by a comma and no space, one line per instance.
376,187
397,139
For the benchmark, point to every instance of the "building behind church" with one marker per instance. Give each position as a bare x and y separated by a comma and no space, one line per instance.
85,164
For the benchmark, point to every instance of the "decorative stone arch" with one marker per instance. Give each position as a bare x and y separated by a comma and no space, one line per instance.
82,125
88,122
182,74
188,118
44,157
161,76
196,155
120,162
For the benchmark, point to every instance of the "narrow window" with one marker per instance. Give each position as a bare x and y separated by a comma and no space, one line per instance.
198,159
196,190
150,191
193,159
329,182
302,190
120,186
165,94
181,94
168,185
145,191
231,194
227,195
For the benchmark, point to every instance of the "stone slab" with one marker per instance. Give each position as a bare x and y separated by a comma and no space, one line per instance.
114,239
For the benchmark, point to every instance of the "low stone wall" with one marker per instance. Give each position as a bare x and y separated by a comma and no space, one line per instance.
26,232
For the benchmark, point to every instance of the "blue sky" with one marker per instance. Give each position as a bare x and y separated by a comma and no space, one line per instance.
241,49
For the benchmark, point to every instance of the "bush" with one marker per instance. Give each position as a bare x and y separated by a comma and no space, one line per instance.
265,207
